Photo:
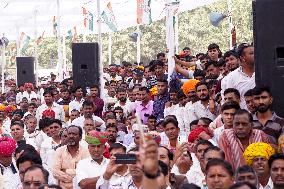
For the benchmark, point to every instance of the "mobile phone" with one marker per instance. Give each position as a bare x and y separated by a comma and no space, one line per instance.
125,159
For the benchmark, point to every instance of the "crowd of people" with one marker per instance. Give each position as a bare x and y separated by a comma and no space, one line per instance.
205,126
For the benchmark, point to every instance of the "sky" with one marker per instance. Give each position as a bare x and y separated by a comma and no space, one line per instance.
33,17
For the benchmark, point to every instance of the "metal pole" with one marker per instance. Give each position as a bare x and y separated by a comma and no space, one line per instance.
109,47
35,47
138,46
170,38
176,33
231,26
3,67
102,85
59,42
64,70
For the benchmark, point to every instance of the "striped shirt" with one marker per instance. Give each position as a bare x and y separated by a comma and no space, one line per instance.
233,147
274,127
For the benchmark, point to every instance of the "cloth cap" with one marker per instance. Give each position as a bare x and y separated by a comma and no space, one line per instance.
48,113
96,138
194,134
7,146
189,86
258,149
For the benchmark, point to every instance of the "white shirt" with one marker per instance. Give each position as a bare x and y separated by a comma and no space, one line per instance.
19,97
268,186
29,96
217,134
74,104
239,80
88,168
114,182
47,151
58,109
195,175
127,108
197,111
11,180
79,121
38,137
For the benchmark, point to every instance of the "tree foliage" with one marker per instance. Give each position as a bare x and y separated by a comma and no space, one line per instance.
195,31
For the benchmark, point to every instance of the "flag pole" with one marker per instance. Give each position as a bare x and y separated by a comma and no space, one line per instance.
170,38
64,69
59,43
231,26
35,47
102,86
3,68
138,45
176,34
109,47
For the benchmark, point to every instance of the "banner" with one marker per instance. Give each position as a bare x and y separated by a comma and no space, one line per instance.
25,44
144,12
109,18
72,34
40,39
88,19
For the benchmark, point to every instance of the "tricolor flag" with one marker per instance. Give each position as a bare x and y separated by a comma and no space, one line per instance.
54,25
144,12
24,43
109,18
88,19
40,39
72,34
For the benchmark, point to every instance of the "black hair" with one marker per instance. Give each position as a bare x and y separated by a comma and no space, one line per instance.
34,158
249,92
79,128
173,90
243,111
189,186
26,148
65,90
211,62
231,53
117,145
43,123
161,54
213,46
152,117
20,123
162,81
52,186
44,172
198,73
74,89
155,63
170,120
240,184
230,105
242,47
232,90
220,162
215,148
194,122
275,157
87,103
118,108
244,169
47,91
180,94
112,126
203,142
56,121
201,83
144,89
170,154
206,120
163,168
261,89
120,89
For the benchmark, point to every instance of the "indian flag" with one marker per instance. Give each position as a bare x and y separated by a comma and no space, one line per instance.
109,18
88,19
144,12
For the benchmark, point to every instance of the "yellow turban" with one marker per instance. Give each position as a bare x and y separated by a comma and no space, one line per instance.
2,107
189,86
281,144
258,149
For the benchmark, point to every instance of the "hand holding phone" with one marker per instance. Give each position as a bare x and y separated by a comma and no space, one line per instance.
125,159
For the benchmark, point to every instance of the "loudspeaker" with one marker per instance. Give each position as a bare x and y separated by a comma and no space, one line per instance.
85,64
269,48
25,70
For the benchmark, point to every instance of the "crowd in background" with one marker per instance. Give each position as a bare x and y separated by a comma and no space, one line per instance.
205,126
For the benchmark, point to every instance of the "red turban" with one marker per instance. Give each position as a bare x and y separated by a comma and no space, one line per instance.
193,135
10,109
7,146
48,113
96,138
29,85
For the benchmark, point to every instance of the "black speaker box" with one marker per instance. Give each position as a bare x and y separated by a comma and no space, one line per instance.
85,64
269,48
25,70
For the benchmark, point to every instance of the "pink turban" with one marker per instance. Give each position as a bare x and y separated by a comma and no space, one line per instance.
7,146
96,138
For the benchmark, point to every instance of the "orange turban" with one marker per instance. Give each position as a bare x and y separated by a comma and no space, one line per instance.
189,86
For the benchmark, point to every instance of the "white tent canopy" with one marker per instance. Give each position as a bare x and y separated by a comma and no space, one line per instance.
18,16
